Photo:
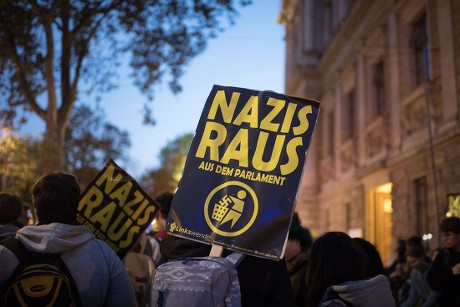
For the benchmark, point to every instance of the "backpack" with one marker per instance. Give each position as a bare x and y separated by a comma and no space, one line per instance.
140,267
197,282
38,280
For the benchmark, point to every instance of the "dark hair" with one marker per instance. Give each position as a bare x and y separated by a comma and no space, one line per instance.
450,224
334,259
416,251
297,232
164,200
374,261
55,198
414,241
10,208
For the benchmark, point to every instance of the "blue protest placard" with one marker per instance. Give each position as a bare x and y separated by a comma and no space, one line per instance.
243,169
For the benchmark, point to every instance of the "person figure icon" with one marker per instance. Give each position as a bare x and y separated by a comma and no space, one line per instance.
237,209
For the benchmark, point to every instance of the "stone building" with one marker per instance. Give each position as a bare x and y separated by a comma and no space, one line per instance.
384,162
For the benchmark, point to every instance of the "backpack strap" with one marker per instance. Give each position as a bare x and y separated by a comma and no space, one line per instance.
235,258
19,250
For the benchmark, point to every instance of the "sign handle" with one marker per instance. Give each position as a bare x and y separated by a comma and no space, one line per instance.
216,250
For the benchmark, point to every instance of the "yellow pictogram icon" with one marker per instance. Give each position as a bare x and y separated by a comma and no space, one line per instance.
232,205
223,214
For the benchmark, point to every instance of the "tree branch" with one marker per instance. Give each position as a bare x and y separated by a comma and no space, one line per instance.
44,14
67,98
90,12
24,85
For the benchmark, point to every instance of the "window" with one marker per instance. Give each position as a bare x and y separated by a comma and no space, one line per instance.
328,20
378,85
330,133
420,50
292,46
421,205
348,122
347,216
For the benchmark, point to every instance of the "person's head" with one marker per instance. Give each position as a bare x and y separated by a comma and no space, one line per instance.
414,240
299,239
55,198
450,232
334,259
164,200
10,208
416,257
374,261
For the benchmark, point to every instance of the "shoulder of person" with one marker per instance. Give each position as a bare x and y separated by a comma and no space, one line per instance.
106,250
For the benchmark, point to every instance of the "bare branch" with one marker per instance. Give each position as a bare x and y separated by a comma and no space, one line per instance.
25,87
90,12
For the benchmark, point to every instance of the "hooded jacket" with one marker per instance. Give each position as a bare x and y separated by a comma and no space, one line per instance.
98,272
373,292
440,278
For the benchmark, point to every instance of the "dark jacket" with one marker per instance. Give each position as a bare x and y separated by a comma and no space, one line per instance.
440,278
297,268
263,282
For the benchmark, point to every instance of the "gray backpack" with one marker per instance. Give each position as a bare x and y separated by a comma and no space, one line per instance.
197,282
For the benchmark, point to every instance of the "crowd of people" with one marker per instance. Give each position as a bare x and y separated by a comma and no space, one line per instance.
333,269
97,271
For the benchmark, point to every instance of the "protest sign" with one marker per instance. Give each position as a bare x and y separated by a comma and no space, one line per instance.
453,202
116,209
243,169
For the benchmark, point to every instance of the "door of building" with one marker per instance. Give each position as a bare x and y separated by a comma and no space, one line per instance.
381,224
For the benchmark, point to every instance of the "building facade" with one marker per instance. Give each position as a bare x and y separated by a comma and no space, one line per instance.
384,162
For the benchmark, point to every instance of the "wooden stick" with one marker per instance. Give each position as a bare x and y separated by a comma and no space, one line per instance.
216,250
